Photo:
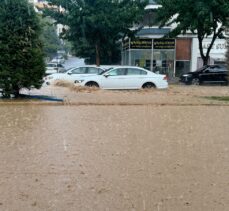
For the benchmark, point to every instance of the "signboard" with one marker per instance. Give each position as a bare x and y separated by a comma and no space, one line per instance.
219,46
164,44
141,44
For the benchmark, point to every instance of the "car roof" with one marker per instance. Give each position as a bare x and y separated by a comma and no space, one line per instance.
126,66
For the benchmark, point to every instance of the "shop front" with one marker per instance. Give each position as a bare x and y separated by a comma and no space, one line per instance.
157,55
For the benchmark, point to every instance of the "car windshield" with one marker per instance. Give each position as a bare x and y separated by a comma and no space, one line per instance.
66,70
201,69
106,70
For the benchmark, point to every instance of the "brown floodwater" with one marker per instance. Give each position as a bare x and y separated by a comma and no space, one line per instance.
114,158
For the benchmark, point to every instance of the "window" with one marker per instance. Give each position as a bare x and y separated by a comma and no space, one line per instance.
117,72
81,70
93,70
135,71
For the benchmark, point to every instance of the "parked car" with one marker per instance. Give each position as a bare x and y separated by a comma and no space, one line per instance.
54,68
58,59
209,74
73,74
125,77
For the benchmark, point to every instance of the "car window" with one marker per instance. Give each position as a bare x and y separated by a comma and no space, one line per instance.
100,71
81,70
202,69
136,71
93,70
219,68
119,71
212,69
59,65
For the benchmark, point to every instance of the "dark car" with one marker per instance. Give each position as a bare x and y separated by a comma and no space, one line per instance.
209,74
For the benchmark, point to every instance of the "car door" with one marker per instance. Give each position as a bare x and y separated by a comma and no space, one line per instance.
218,74
78,73
114,79
135,78
205,75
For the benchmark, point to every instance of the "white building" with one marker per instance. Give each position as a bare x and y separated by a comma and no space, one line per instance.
172,57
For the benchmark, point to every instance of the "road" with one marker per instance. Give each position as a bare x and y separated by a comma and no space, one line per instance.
107,157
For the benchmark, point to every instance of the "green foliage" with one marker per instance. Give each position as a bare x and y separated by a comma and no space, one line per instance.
95,27
21,53
219,98
202,17
51,42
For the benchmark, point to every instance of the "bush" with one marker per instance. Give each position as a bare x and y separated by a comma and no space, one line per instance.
21,52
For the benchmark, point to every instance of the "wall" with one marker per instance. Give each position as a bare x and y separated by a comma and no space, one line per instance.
217,53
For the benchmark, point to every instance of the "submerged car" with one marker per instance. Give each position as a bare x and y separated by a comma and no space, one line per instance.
73,74
125,77
209,74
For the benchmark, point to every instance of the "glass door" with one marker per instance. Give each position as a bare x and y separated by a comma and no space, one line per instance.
163,62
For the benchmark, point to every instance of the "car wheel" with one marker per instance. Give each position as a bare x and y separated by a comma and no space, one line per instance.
195,81
148,86
92,84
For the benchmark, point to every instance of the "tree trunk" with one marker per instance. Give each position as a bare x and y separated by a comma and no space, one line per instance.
205,60
97,48
16,91
206,57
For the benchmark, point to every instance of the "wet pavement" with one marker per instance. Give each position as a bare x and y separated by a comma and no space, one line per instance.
114,157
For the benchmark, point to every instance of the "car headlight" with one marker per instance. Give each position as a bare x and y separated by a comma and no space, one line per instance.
78,81
186,75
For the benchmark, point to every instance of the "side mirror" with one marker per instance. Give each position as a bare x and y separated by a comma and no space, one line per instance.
69,73
106,75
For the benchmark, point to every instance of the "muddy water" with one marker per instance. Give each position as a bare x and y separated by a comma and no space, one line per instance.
109,158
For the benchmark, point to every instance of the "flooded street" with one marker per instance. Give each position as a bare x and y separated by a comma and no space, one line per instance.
109,158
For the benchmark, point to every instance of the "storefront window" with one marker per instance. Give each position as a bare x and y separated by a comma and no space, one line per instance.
141,58
163,62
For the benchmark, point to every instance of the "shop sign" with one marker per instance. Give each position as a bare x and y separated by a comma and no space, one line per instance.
219,46
141,44
164,44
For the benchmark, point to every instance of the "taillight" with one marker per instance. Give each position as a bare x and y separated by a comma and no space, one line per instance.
165,78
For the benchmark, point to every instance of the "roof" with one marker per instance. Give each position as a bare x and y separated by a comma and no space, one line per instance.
153,31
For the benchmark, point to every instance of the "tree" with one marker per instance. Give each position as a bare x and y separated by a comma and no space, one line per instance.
49,37
206,18
95,27
21,53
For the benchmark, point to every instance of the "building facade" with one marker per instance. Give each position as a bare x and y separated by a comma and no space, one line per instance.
168,56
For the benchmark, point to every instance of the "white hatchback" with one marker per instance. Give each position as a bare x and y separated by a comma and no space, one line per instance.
125,77
73,74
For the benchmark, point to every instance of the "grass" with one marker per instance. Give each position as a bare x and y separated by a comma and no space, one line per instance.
219,98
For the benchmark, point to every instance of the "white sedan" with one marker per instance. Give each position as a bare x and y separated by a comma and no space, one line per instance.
73,74
125,77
